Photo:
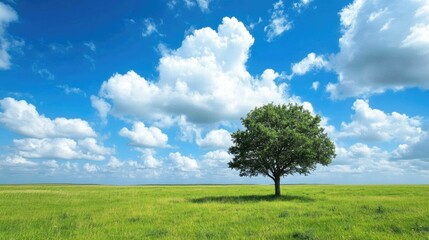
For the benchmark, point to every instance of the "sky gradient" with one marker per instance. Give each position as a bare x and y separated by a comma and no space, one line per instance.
149,91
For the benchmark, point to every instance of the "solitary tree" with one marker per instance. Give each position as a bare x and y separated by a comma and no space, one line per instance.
280,140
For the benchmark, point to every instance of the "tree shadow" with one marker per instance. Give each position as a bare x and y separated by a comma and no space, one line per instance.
251,198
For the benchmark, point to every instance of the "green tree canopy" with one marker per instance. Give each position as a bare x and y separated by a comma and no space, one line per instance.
280,140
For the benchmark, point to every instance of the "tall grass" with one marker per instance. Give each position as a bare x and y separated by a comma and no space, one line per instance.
214,212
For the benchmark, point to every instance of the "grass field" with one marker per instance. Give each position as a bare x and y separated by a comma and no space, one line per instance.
214,212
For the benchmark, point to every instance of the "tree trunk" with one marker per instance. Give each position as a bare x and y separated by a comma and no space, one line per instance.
277,186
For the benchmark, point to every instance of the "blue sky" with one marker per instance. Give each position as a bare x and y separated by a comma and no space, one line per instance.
149,91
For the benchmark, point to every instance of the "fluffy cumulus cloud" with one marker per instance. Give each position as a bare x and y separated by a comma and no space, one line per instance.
375,125
361,158
414,151
46,138
17,161
52,164
205,80
315,85
385,45
114,163
71,167
183,163
61,148
278,22
217,158
23,118
176,165
309,63
149,159
219,138
101,106
142,136
90,168
7,15
380,142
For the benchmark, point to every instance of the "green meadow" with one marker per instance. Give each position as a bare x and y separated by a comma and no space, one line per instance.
214,212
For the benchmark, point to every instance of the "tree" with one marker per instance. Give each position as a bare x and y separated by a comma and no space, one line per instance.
280,140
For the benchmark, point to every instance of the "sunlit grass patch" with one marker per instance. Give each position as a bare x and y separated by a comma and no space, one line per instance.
214,212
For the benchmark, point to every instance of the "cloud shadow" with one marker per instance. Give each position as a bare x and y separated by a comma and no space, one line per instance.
251,198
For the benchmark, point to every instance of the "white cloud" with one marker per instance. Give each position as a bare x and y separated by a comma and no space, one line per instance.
91,168
418,37
375,125
359,151
135,165
149,27
114,163
149,160
306,2
384,46
70,90
253,24
171,4
42,72
219,138
361,158
90,45
329,129
218,158
132,169
61,148
17,161
187,130
58,138
202,4
23,118
183,163
298,6
71,166
204,80
90,145
7,15
414,151
189,3
102,106
52,164
278,22
142,136
163,49
315,85
309,63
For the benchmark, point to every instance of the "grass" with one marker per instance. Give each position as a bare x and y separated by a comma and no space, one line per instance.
214,212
